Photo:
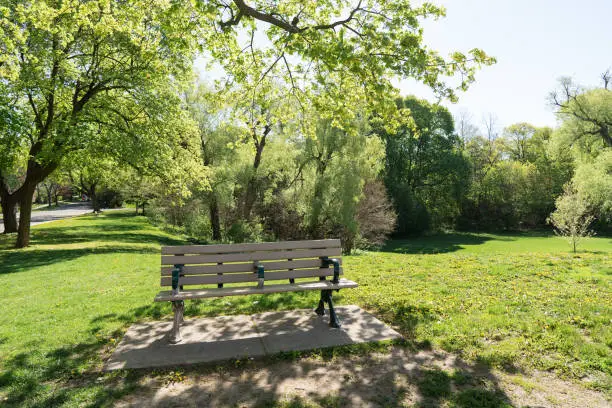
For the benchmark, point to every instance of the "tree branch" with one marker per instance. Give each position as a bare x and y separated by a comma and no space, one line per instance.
244,9
266,17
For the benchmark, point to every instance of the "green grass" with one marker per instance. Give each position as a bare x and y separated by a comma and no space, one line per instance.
509,301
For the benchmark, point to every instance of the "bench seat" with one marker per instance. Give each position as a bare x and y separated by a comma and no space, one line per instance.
166,296
209,271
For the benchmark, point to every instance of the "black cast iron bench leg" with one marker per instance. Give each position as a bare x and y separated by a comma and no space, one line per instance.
320,310
326,297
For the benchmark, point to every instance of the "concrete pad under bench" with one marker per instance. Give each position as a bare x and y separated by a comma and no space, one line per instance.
228,337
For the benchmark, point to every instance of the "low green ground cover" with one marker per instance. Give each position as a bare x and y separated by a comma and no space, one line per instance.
509,301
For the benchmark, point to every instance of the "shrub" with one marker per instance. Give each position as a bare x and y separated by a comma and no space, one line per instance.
375,216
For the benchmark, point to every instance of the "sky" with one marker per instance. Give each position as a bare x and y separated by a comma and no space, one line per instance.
535,42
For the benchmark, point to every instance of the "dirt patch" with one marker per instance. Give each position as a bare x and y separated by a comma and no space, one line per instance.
398,378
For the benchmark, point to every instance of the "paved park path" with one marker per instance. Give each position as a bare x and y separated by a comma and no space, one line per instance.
61,212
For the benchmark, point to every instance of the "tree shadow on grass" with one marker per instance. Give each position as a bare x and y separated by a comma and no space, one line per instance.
61,376
20,261
130,230
110,238
71,374
436,244
115,227
71,235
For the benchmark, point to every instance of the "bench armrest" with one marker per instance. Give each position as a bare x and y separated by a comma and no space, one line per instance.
325,262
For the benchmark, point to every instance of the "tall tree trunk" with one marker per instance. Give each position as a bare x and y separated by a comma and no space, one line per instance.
317,200
35,174
214,217
605,134
25,214
251,190
249,198
8,202
213,205
94,198
9,214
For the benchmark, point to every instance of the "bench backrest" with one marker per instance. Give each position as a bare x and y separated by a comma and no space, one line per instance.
236,263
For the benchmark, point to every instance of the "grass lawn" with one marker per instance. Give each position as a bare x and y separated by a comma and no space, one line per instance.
515,302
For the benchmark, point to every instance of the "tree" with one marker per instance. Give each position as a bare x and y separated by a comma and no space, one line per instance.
593,183
85,71
87,173
491,126
348,50
586,126
11,154
586,114
571,218
218,134
514,179
517,138
136,188
465,128
320,152
425,172
52,189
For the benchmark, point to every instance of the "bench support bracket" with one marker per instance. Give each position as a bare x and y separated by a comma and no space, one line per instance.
178,306
326,297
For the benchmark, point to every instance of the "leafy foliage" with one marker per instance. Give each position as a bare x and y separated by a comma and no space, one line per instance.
425,171
98,75
514,179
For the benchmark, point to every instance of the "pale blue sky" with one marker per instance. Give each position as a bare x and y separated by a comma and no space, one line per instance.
535,42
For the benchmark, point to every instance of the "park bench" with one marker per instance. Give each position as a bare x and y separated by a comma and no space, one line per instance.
224,270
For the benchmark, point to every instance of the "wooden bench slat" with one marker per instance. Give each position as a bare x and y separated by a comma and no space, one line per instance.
250,247
238,291
249,277
210,279
250,256
244,267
